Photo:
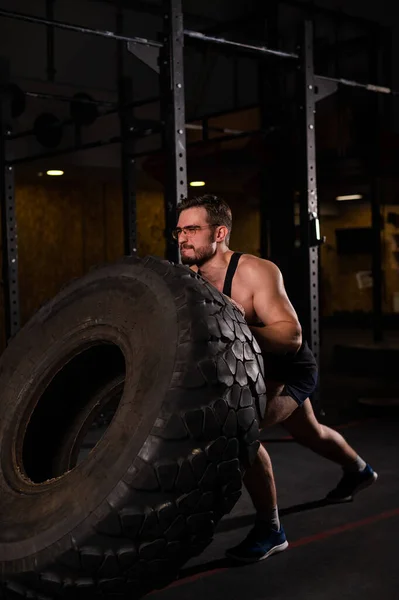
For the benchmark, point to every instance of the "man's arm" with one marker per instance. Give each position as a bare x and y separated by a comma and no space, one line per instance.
281,333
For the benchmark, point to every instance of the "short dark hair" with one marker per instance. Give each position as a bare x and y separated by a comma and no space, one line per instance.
217,210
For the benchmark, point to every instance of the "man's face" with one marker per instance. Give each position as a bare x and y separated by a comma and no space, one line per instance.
199,245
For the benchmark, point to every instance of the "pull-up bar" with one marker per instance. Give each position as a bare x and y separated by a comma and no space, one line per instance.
137,40
217,40
107,34
194,35
370,87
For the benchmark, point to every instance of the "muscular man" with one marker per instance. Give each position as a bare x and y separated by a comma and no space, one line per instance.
203,233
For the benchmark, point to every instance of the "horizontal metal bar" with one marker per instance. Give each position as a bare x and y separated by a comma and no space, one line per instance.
190,126
63,151
216,40
114,105
222,113
21,134
224,138
370,87
60,98
106,34
87,146
235,136
216,129
137,103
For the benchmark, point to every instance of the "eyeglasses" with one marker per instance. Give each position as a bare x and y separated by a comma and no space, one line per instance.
189,231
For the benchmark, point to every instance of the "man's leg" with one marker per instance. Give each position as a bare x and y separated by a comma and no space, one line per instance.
259,477
279,406
259,481
306,430
267,537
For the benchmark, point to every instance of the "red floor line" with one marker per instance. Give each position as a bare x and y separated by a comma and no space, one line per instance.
357,423
347,527
193,578
301,542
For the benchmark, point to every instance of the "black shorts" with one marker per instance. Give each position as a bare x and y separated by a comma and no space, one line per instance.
300,391
299,374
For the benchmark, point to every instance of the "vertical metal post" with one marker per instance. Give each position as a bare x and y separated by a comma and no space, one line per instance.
277,210
8,217
376,217
128,168
376,265
387,73
173,114
265,81
269,106
309,219
236,83
50,41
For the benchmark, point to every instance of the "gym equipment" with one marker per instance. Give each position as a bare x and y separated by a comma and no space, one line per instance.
183,375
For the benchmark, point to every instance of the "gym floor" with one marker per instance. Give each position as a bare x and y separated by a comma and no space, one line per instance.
344,551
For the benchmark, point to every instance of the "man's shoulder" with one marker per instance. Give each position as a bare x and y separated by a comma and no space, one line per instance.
254,265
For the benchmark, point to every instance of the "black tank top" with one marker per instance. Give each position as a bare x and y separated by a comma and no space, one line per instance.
231,270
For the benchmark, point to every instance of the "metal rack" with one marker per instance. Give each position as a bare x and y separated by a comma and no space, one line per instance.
173,126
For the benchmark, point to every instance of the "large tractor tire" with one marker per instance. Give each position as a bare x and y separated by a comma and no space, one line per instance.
182,373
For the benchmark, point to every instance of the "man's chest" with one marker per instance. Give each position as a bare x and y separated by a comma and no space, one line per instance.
242,294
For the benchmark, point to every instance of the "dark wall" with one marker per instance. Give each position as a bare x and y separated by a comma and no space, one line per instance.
65,228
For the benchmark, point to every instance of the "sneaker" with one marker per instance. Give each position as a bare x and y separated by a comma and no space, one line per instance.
351,484
260,543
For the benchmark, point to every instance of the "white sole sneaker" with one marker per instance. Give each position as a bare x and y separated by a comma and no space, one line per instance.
366,484
274,550
359,488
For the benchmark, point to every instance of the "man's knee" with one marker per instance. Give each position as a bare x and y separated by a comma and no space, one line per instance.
303,425
319,431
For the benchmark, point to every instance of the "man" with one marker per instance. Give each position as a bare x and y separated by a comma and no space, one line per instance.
256,285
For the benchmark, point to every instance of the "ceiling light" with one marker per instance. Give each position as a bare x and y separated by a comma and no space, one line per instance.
55,172
350,197
197,183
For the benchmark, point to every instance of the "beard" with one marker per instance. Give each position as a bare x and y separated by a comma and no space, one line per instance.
199,257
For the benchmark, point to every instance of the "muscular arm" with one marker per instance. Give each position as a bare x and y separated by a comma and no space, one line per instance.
281,333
